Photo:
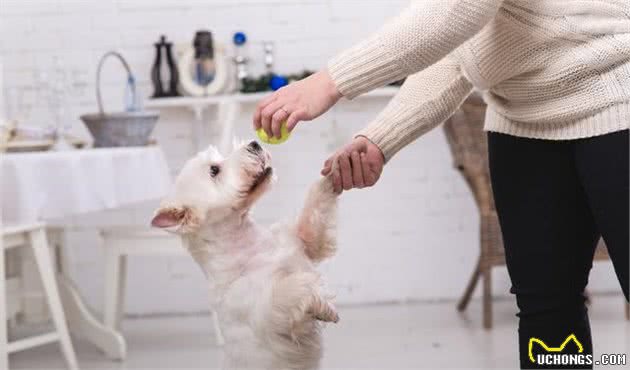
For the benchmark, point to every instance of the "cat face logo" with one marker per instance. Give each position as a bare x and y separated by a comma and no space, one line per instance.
553,349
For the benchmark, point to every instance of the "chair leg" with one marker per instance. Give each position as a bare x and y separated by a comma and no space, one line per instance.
470,288
115,280
218,334
487,297
4,335
46,268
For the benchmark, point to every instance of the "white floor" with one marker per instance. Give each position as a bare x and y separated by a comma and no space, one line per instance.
379,337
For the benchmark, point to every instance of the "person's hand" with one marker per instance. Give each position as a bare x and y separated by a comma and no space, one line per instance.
358,164
302,100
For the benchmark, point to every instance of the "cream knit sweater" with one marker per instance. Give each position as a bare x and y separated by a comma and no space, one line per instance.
549,69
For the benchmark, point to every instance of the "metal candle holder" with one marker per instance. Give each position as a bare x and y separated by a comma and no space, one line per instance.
268,57
240,59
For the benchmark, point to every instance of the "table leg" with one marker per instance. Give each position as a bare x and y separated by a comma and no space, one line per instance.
81,321
83,324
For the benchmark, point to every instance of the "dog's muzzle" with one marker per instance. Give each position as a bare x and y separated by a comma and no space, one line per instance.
260,178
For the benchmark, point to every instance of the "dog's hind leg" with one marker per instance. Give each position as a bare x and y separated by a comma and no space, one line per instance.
316,226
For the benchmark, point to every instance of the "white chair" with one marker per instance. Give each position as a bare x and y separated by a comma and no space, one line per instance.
120,242
33,235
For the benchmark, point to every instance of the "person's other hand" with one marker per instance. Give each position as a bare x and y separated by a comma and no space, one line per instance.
302,100
358,164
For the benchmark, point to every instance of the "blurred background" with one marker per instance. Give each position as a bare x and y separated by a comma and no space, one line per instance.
413,239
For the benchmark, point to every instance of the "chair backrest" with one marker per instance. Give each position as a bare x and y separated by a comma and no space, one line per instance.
465,135
469,146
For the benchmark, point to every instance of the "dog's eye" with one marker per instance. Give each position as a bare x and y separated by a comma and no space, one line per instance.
214,170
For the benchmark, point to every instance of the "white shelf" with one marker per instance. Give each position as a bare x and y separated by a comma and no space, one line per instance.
228,109
193,101
200,102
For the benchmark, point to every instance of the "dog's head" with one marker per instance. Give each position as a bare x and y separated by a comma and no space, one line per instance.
210,188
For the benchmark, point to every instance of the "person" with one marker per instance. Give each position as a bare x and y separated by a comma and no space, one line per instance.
556,78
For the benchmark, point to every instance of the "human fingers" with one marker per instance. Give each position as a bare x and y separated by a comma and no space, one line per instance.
346,170
369,176
357,170
266,115
259,108
295,117
276,121
336,178
327,167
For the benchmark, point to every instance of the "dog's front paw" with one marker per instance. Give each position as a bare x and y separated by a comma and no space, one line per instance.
326,186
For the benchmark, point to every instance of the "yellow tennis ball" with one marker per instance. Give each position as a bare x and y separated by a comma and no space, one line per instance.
284,135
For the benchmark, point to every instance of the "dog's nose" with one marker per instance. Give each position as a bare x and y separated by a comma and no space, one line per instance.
255,146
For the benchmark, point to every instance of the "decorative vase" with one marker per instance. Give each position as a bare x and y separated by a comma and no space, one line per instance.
159,90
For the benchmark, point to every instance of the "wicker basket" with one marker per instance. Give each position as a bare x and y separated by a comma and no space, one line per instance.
118,129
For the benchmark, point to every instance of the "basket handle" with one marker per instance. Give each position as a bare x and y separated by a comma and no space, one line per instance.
116,54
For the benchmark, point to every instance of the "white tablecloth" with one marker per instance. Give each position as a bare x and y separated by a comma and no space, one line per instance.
51,185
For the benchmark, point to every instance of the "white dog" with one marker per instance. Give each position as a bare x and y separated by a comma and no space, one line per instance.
268,293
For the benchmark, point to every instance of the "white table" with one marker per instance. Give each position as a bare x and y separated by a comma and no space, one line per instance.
50,185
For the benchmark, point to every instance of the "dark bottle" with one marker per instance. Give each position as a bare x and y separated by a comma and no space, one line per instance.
159,90
156,73
172,67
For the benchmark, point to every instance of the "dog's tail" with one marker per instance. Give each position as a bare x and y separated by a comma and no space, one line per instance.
316,226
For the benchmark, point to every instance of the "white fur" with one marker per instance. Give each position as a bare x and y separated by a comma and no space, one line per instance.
267,291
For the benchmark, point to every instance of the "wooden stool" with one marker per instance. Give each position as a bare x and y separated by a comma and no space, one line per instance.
33,235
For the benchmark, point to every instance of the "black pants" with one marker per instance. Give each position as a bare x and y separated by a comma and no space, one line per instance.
554,200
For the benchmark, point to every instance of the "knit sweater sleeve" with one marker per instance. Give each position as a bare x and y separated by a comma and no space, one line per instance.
421,35
425,100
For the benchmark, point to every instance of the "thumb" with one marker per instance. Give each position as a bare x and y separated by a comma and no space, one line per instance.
327,167
294,118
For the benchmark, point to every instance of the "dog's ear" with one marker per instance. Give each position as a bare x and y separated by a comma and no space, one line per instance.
174,218
167,217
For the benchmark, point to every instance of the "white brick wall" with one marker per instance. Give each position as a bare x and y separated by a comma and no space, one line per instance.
411,237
